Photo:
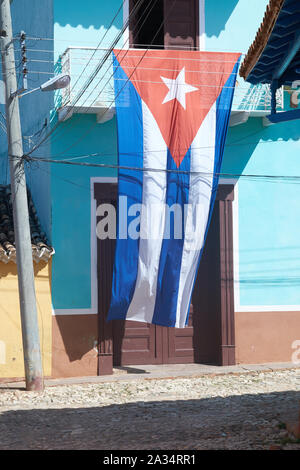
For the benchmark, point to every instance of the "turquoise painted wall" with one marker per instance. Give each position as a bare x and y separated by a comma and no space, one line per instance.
71,208
269,251
268,225
231,25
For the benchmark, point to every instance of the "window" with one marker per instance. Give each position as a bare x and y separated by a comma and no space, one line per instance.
165,23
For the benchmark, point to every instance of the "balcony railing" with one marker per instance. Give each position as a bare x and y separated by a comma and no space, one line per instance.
255,99
81,62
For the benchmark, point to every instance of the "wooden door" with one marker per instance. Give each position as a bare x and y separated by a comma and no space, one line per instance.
199,341
120,342
209,336
136,343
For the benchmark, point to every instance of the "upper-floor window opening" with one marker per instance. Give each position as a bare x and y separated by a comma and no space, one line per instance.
164,24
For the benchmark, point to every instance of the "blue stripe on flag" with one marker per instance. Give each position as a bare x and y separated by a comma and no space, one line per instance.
224,104
130,182
172,248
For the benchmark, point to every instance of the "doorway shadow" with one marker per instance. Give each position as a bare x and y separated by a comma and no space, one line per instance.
247,421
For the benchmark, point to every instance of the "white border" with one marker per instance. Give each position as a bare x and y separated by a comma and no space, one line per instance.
125,19
202,44
235,241
93,310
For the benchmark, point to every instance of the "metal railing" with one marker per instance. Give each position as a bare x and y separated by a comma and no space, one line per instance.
256,98
80,63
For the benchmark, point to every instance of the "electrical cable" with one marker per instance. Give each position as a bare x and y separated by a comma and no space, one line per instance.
141,58
146,45
81,74
80,94
164,170
103,37
111,23
102,62
137,5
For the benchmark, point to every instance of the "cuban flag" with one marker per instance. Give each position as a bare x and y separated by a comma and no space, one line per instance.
173,109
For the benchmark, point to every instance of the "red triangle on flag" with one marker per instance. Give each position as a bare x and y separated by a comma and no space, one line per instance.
179,87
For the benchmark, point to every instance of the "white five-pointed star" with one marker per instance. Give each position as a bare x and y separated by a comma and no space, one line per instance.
178,88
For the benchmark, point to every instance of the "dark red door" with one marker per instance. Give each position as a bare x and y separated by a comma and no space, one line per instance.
120,342
136,343
200,340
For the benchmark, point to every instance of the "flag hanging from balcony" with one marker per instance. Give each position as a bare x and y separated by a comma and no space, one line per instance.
173,110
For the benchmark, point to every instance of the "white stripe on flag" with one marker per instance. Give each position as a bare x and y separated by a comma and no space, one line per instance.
152,221
202,160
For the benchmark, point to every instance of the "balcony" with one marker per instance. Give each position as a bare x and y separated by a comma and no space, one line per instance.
83,95
96,96
253,101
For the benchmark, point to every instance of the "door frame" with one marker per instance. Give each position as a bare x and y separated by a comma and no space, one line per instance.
225,196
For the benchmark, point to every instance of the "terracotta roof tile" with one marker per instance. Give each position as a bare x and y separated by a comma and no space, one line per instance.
41,250
262,37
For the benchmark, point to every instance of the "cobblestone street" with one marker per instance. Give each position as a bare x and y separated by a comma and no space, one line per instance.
246,411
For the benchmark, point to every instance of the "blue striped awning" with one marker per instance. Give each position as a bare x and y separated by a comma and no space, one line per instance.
274,56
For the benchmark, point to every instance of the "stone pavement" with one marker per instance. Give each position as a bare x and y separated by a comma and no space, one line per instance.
164,371
156,408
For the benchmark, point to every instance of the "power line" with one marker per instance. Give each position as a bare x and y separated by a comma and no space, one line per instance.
126,52
140,68
164,170
154,82
88,85
50,61
99,81
92,78
126,81
134,45
118,11
111,23
83,89
103,60
95,73
234,144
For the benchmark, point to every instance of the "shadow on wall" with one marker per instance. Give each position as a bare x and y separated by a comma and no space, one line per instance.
245,421
96,14
75,339
10,269
101,13
240,145
215,23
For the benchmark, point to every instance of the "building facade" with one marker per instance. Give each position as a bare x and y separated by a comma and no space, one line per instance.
246,302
